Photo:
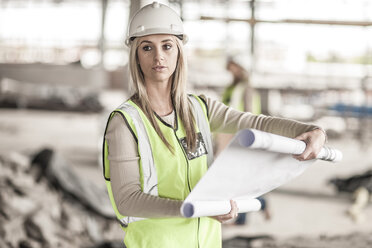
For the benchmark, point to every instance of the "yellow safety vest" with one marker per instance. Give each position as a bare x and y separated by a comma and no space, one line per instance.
233,96
167,175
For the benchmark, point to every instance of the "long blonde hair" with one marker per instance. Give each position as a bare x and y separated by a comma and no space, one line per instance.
179,97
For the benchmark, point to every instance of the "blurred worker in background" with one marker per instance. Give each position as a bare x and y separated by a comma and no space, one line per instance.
241,96
157,144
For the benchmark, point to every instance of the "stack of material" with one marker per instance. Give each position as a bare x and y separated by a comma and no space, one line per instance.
17,94
38,208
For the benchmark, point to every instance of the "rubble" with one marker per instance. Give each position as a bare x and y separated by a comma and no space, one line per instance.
354,240
246,242
351,184
60,175
360,186
42,205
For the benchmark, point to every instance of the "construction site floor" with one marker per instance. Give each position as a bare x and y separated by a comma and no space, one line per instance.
307,206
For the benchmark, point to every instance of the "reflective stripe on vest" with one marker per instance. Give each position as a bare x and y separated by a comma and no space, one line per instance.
150,180
203,124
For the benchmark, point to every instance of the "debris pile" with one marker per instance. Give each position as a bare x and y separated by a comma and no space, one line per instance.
43,203
351,184
360,186
354,240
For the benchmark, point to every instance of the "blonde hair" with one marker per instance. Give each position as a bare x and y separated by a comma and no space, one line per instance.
181,103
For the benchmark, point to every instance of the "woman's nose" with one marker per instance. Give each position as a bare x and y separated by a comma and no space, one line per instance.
159,54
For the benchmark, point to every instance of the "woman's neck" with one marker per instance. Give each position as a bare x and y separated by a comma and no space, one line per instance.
160,98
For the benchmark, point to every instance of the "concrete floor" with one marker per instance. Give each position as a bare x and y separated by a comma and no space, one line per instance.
305,206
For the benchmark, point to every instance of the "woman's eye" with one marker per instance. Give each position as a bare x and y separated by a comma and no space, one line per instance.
146,48
167,46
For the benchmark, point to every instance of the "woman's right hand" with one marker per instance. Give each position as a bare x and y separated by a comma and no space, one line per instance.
314,140
231,215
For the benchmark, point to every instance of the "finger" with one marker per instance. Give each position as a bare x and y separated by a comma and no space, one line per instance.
309,150
228,216
221,219
218,218
305,155
234,209
302,136
309,153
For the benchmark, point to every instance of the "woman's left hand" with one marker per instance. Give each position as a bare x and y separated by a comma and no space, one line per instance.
231,215
314,140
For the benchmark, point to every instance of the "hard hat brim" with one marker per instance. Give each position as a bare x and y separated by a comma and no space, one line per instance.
179,35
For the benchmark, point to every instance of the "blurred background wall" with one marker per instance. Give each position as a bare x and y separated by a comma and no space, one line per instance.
63,68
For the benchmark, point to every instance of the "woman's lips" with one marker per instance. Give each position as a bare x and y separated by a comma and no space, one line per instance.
159,68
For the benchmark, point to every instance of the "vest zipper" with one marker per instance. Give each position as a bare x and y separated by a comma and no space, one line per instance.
188,182
187,161
198,232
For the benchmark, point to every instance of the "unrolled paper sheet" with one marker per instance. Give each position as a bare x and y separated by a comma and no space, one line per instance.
242,174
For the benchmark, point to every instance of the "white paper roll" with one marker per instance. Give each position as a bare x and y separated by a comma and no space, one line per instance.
271,142
213,208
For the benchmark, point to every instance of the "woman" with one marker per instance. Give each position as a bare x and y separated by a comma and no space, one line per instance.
157,144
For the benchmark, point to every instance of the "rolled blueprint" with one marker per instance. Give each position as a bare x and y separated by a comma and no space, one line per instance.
271,142
242,174
213,208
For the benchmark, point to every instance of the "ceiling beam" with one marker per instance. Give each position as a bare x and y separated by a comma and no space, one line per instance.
253,21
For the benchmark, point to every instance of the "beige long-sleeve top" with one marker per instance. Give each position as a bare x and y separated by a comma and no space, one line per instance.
123,156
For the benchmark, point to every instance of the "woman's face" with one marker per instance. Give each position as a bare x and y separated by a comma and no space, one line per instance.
157,55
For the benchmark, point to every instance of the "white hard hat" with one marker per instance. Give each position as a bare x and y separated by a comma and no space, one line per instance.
155,18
